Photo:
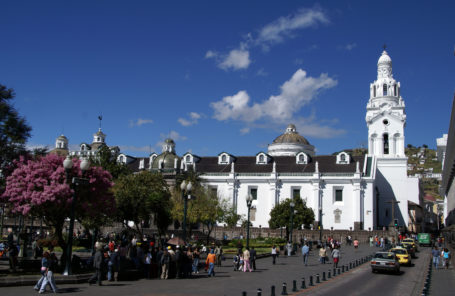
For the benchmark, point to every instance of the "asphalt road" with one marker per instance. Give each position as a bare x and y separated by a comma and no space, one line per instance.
362,281
359,281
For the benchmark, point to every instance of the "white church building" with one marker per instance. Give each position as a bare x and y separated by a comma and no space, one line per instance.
345,191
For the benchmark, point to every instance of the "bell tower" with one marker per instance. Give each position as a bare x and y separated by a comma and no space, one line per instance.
385,117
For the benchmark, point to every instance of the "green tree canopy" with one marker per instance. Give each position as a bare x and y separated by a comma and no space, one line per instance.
140,196
280,215
14,132
108,161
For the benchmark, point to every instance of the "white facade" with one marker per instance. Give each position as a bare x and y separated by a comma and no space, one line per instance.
352,192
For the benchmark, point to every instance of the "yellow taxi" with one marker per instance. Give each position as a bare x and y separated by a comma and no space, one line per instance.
404,258
410,241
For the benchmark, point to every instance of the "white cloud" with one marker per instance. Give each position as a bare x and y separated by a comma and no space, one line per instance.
295,93
245,130
279,109
237,59
272,33
194,118
261,72
348,47
282,28
140,122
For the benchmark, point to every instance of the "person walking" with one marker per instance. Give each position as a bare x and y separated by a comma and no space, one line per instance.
246,260
436,254
305,253
210,262
356,243
336,256
165,263
49,279
196,257
253,258
446,257
113,266
322,254
43,270
98,265
274,253
289,248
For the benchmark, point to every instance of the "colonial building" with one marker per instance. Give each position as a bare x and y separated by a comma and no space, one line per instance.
345,191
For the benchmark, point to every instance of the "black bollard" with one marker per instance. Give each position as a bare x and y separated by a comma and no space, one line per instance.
294,286
339,271
243,293
311,280
272,291
350,265
334,272
328,274
259,292
342,268
347,267
303,284
323,276
317,279
284,292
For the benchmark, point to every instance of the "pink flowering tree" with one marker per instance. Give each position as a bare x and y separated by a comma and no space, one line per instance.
40,188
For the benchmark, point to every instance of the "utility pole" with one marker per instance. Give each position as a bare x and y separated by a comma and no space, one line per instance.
393,202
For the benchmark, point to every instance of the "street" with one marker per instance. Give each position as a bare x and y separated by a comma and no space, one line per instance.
359,281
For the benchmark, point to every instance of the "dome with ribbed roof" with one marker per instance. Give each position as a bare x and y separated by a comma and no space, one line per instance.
167,159
385,59
290,143
291,136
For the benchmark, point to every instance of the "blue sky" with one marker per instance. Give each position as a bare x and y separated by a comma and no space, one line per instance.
223,75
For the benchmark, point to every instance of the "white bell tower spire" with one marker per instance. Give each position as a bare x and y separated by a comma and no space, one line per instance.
385,116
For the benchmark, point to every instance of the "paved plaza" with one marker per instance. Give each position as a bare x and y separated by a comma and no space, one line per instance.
226,282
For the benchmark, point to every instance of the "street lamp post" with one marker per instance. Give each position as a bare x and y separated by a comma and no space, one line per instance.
292,204
185,188
320,224
68,165
249,201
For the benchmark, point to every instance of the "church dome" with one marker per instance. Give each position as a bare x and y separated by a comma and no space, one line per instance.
290,143
291,136
384,59
167,159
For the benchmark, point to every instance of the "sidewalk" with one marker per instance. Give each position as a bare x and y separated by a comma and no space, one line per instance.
443,280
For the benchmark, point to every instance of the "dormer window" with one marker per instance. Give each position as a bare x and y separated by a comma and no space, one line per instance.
188,158
225,158
343,158
262,158
301,158
121,159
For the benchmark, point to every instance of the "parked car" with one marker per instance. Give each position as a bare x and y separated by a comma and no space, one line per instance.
404,258
385,261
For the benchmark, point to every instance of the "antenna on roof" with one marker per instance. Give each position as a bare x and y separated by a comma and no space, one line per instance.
100,118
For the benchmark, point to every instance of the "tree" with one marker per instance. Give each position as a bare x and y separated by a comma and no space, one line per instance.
280,215
138,196
14,132
108,161
231,218
205,207
38,187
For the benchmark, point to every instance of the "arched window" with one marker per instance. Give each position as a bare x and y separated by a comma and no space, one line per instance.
301,158
384,89
343,157
395,90
261,158
386,143
188,158
223,158
374,91
121,158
